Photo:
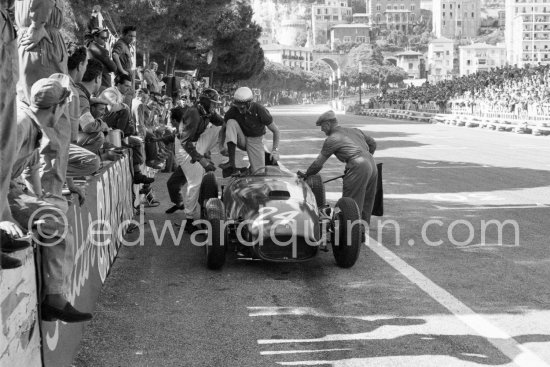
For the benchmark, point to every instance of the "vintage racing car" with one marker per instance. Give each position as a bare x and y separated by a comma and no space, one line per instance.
274,215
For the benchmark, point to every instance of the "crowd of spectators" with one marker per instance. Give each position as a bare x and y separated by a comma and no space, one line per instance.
62,107
507,89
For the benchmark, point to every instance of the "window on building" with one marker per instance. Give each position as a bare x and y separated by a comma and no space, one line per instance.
327,17
443,6
443,14
402,7
378,7
468,62
450,6
412,7
450,14
412,17
318,11
448,53
473,16
347,39
360,39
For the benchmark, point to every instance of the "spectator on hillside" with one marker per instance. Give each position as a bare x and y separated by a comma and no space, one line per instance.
150,76
122,54
98,51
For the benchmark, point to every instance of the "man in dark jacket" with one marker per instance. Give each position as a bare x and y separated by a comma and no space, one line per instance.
97,50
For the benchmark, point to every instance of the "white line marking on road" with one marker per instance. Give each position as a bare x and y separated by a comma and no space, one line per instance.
269,353
534,206
453,167
517,353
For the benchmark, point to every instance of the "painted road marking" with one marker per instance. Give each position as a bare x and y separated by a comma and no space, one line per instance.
276,352
453,167
534,206
517,353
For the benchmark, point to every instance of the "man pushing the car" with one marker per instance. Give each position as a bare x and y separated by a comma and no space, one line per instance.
354,148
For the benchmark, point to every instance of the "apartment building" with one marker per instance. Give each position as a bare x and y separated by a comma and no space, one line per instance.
400,15
326,15
527,31
456,18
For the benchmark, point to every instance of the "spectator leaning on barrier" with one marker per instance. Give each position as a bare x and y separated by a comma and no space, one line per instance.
8,129
92,131
97,51
246,123
47,102
119,117
354,148
82,162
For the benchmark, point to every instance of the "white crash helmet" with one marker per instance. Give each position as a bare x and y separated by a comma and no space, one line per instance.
242,95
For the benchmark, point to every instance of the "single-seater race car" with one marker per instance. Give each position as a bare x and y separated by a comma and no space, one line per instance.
274,215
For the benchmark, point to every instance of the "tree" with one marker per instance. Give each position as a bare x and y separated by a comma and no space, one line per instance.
170,28
237,51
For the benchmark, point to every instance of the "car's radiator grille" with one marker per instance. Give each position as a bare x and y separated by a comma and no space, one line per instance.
296,249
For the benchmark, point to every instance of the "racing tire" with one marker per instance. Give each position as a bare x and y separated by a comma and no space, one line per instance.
208,190
346,240
215,248
317,186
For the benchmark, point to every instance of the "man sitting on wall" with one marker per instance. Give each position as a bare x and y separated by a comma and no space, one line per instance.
119,117
48,100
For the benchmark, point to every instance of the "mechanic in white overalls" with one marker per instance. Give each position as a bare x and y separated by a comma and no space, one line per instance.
201,127
355,148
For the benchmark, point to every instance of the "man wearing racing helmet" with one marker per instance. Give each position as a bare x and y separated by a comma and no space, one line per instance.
246,123
199,129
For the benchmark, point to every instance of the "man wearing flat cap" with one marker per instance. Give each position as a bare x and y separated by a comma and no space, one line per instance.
354,148
48,99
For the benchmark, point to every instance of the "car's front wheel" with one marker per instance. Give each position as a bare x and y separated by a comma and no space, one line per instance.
215,248
346,240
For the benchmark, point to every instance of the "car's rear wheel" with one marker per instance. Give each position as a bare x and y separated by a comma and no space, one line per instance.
346,241
208,190
215,248
317,186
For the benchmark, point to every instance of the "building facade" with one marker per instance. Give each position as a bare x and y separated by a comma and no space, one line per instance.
291,56
441,54
400,15
527,31
349,33
480,57
456,18
411,62
326,15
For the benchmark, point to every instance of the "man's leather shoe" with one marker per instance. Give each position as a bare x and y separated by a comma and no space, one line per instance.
8,262
189,227
155,164
174,208
226,165
67,314
140,178
10,244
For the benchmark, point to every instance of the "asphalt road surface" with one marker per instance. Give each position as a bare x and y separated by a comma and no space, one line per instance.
434,286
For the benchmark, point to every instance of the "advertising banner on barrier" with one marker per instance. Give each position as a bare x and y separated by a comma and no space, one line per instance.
97,227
